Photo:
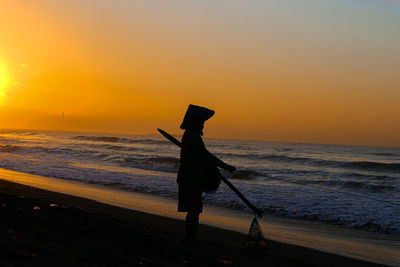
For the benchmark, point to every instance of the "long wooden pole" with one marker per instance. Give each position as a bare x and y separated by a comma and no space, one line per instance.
226,181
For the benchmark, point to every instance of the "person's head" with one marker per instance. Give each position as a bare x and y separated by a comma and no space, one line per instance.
195,117
197,124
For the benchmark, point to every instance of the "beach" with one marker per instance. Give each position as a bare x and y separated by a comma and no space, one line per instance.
45,228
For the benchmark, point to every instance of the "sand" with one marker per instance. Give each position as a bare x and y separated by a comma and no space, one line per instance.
46,228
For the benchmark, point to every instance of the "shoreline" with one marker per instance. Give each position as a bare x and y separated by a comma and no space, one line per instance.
214,237
225,243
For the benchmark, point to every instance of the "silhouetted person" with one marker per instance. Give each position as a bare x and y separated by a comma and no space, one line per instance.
194,162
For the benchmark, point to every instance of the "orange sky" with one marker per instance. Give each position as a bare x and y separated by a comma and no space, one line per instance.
275,70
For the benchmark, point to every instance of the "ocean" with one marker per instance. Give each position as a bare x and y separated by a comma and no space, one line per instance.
351,186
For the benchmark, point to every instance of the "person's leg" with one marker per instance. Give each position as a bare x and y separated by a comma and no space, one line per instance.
191,225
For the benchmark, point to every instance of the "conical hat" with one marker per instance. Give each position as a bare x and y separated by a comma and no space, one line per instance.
194,113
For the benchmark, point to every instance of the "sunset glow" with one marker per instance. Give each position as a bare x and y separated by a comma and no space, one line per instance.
279,70
4,82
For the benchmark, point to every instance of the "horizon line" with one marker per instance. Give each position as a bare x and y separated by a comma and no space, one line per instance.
217,138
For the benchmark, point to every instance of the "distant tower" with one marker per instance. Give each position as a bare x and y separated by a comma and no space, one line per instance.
62,116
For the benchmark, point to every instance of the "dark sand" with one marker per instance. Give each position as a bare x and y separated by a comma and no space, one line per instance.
67,231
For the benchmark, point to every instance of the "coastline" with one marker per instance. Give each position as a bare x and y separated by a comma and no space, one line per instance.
220,246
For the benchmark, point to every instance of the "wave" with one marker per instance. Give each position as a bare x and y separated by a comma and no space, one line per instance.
172,165
174,162
114,139
49,152
112,147
166,164
351,185
371,165
386,154
149,141
368,176
31,133
8,148
362,165
245,175
284,149
368,225
275,157
115,147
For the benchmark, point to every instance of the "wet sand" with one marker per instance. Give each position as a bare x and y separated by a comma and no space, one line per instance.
40,227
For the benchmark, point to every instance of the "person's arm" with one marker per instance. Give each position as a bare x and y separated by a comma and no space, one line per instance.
219,162
196,144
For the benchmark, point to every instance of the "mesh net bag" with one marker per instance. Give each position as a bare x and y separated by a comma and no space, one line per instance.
255,242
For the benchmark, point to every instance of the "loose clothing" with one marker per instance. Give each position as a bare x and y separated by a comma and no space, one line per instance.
192,169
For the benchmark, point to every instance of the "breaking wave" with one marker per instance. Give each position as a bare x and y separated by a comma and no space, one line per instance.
355,186
170,161
368,165
114,139
245,175
165,164
362,165
111,139
8,148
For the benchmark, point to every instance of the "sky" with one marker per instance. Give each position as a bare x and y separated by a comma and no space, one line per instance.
319,71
